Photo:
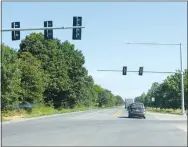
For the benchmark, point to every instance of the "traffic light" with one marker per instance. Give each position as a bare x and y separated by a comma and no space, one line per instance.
140,73
77,32
15,34
124,70
48,33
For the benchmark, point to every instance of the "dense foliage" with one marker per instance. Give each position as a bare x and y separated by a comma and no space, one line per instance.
167,94
49,72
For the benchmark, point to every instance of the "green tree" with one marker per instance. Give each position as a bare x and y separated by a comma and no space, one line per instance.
50,72
119,100
167,94
32,78
10,78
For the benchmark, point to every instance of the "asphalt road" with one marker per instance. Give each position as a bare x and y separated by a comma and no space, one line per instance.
109,127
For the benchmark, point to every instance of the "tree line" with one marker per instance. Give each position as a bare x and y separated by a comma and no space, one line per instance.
167,94
49,72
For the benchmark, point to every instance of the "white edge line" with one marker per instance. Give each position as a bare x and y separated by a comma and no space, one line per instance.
184,129
94,112
41,117
165,114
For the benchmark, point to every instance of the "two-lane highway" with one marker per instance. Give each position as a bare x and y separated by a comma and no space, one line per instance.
109,127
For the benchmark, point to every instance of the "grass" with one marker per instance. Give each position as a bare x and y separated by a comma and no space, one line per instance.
36,112
41,111
171,111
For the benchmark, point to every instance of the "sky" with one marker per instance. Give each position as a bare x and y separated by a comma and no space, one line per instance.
108,26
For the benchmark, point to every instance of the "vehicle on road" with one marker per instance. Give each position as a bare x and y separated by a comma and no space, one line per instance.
137,109
128,102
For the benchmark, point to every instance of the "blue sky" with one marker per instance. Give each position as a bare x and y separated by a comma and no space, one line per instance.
108,27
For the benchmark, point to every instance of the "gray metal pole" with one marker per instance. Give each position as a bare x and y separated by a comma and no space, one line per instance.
30,29
181,67
182,84
138,71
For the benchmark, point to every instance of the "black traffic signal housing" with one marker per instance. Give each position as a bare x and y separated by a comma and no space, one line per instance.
124,70
77,32
48,33
15,34
140,72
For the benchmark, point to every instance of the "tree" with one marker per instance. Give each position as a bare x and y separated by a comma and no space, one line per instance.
32,78
47,72
50,54
10,78
119,100
167,94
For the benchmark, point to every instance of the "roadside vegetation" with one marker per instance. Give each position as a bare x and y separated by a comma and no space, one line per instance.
40,111
18,114
167,95
50,75
158,110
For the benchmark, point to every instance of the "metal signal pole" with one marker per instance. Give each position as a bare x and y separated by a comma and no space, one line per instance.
181,72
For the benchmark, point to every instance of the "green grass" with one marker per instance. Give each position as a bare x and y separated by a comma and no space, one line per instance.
171,111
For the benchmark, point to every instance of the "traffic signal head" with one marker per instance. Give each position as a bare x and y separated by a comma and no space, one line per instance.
77,32
15,34
140,73
124,70
48,33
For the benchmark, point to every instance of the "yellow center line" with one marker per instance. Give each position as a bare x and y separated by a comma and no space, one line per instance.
118,113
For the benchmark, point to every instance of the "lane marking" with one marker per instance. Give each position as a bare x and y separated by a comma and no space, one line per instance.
170,118
114,113
41,117
118,113
48,116
156,117
91,113
182,128
166,114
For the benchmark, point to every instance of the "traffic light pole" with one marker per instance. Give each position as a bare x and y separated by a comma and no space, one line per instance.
46,28
182,83
181,70
138,71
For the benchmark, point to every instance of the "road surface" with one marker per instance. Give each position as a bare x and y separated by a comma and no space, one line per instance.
109,127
